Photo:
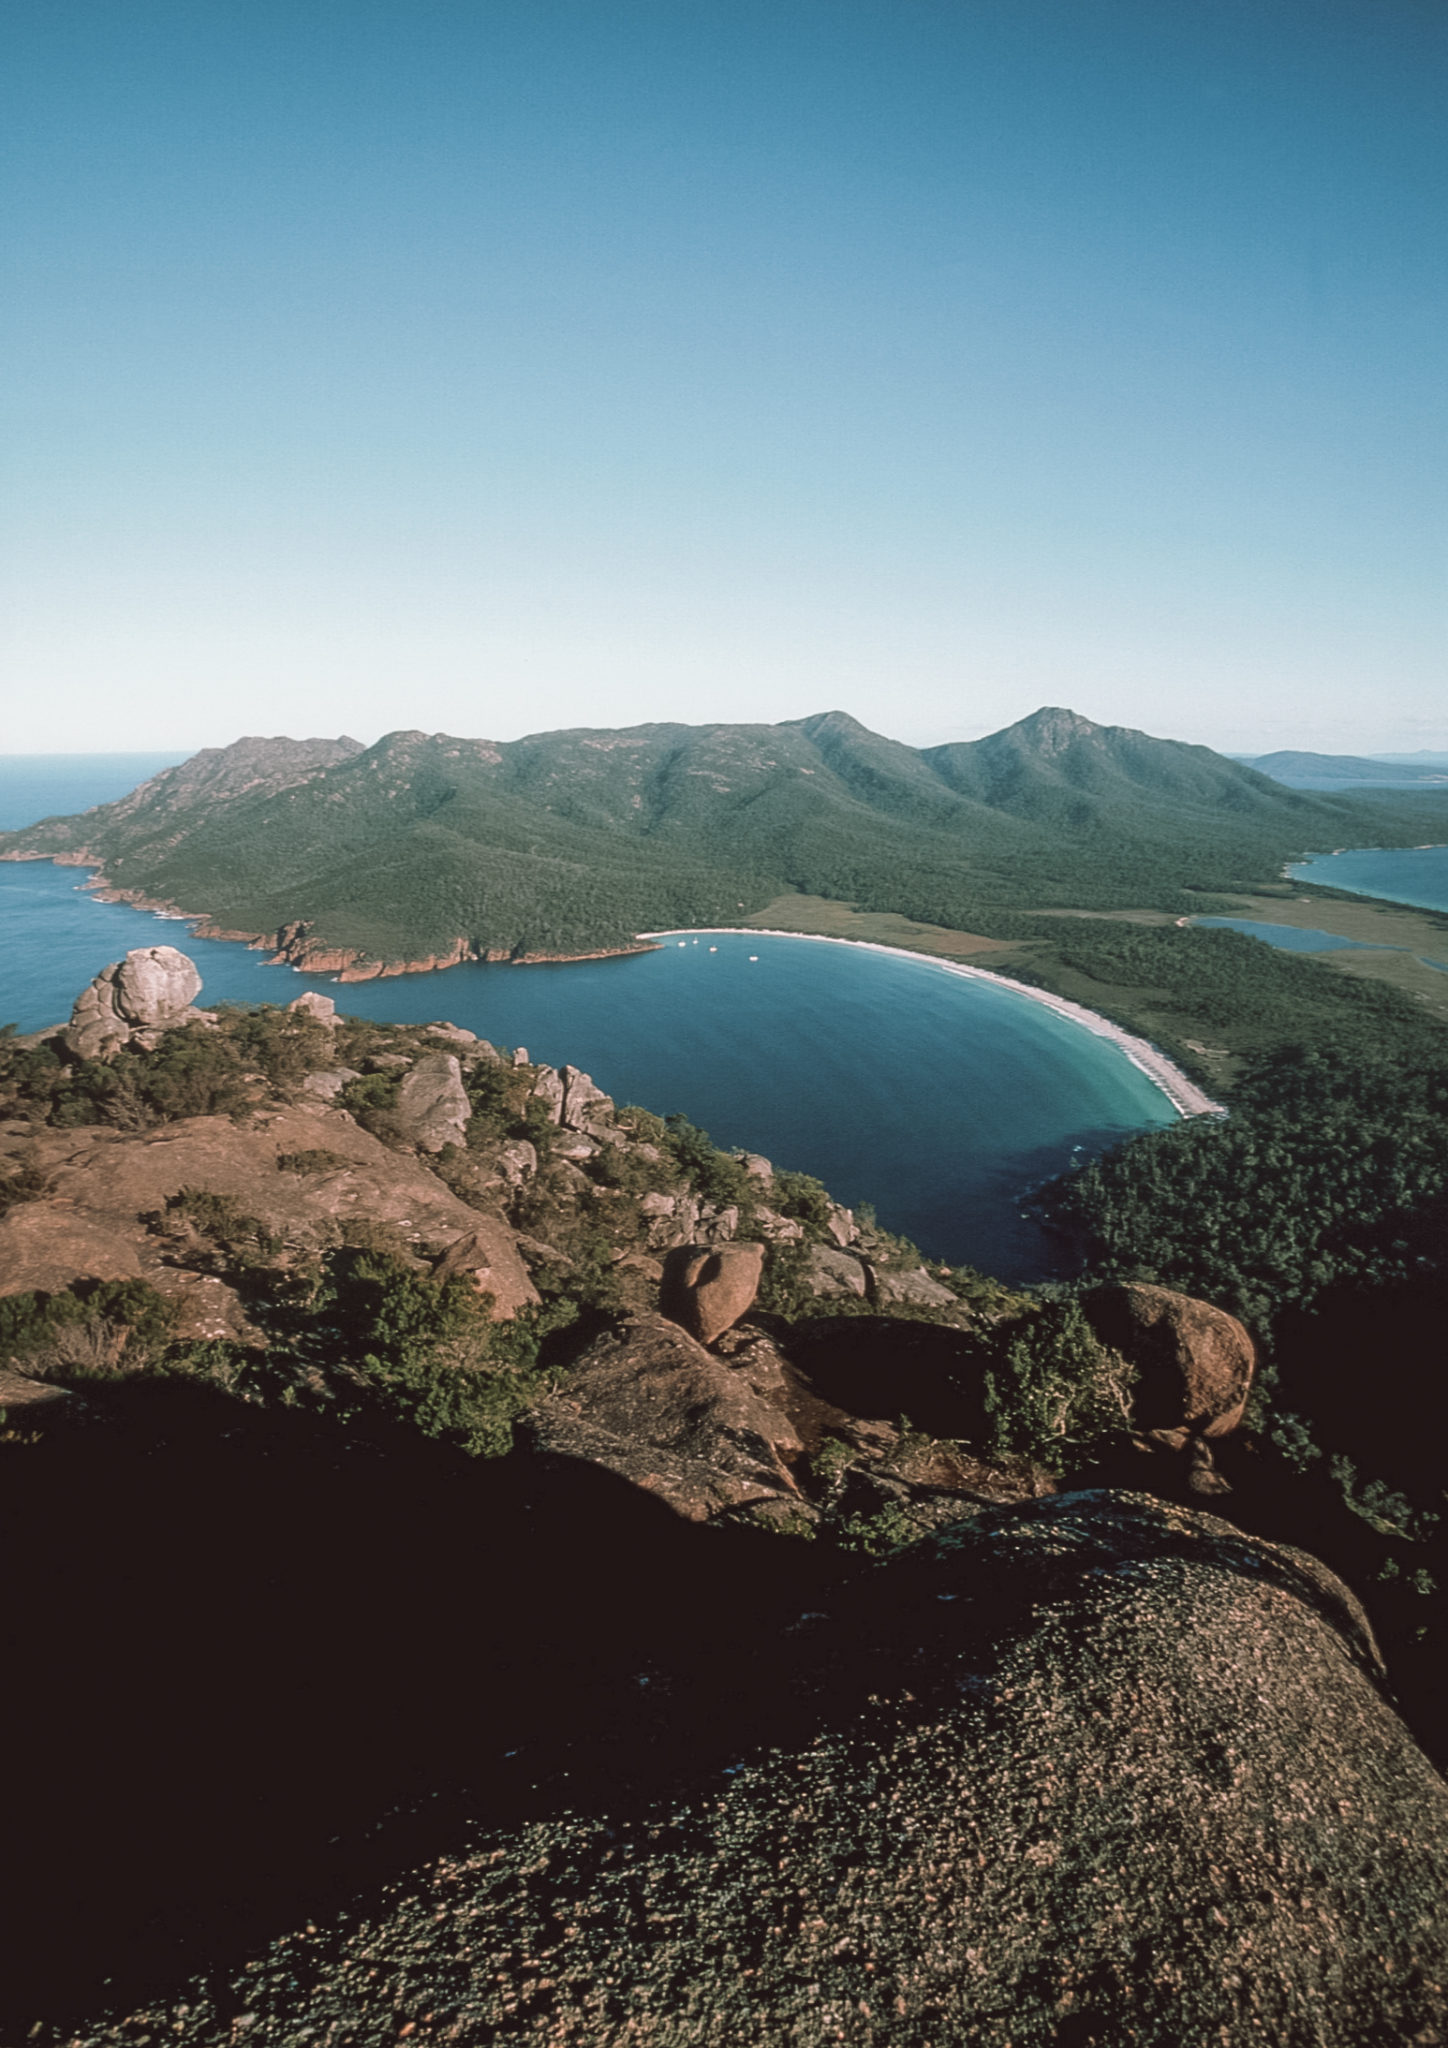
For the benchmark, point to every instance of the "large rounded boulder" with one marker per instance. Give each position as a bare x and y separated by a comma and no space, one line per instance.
1194,1362
152,989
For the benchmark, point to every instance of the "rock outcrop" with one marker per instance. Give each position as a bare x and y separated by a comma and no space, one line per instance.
828,1272
432,1104
321,1009
152,989
653,1406
489,1257
913,1287
708,1290
103,1186
585,1107
1194,1362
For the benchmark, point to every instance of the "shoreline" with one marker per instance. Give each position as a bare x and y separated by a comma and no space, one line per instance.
1185,1097
290,947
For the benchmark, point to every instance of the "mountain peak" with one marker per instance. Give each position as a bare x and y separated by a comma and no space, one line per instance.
1054,728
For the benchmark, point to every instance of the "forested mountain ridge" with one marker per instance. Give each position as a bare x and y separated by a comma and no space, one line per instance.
428,847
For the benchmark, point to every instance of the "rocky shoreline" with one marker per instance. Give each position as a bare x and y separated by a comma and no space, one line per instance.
293,947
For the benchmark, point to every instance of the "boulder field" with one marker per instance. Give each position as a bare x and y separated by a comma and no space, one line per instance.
767,1690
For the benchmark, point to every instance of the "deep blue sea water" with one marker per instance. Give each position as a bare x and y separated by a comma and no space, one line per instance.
941,1100
1414,874
34,786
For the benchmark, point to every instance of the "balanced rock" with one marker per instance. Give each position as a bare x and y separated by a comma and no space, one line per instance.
709,1289
432,1103
152,989
1194,1362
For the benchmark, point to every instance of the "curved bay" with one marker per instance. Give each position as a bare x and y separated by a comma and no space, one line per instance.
941,1100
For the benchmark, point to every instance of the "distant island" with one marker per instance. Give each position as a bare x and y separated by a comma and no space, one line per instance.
1300,770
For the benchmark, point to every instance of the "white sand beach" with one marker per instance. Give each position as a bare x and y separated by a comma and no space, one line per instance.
1185,1097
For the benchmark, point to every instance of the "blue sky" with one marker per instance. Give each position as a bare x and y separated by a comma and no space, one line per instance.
495,367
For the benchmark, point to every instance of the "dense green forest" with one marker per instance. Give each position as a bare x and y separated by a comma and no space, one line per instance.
573,841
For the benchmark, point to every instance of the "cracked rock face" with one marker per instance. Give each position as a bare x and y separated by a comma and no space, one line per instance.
432,1104
152,989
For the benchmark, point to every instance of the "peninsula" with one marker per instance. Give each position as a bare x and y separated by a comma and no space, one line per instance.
1056,847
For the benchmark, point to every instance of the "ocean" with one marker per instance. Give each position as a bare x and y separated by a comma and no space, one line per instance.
940,1100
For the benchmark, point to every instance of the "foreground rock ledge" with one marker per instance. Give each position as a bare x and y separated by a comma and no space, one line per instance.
1113,1774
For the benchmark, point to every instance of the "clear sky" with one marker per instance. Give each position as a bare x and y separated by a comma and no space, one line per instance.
495,365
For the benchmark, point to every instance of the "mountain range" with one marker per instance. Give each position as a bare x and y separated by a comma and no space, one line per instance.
426,849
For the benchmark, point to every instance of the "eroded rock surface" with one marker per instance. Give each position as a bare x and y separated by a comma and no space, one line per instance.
102,1186
1088,1771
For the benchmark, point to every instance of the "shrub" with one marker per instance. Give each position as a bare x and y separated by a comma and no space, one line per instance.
804,1198
426,1351
85,1328
240,1243
313,1159
1053,1391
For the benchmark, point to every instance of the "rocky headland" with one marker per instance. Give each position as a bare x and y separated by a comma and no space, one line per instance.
488,1566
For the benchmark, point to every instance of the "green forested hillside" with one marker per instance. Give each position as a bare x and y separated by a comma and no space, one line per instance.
575,840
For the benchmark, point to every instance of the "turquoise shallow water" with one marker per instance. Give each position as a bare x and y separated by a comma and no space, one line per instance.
940,1100
1416,874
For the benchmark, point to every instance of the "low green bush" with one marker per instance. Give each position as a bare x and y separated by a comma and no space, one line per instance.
1053,1391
